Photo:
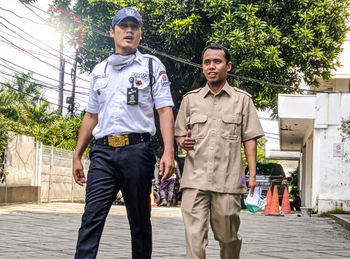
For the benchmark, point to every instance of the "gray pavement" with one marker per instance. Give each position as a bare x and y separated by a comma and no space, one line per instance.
50,231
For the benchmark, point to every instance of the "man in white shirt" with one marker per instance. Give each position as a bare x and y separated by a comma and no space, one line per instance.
124,89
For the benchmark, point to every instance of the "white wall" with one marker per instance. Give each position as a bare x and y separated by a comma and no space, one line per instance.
50,168
331,180
334,172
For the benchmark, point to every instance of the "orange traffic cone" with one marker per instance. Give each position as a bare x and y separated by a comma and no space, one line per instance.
285,202
268,202
153,203
275,208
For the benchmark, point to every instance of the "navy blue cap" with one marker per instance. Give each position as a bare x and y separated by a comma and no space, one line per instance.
124,13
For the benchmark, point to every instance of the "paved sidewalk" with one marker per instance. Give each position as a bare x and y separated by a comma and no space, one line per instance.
50,231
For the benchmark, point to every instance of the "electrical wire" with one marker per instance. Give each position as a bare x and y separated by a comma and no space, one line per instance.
20,37
26,6
21,17
184,61
7,61
8,86
44,84
24,50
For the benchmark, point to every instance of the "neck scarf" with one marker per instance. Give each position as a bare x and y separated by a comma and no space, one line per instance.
118,61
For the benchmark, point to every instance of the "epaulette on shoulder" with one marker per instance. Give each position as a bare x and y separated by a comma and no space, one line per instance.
197,90
153,57
100,66
243,92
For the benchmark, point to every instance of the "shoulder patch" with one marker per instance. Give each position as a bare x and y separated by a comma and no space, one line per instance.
243,92
193,91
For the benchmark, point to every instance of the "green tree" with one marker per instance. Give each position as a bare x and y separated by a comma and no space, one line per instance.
281,42
21,113
345,128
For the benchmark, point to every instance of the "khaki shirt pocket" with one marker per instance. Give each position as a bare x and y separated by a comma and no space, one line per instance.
100,87
197,125
231,126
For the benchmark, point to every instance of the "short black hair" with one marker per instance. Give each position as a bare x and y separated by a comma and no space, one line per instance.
218,46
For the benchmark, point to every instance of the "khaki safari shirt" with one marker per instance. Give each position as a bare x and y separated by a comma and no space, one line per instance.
219,124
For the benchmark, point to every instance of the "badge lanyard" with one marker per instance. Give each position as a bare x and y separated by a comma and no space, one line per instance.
132,93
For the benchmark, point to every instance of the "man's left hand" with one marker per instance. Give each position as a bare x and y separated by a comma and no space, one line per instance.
166,166
252,184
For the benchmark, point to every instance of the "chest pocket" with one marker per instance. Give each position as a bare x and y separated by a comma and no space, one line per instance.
144,91
231,126
100,87
198,125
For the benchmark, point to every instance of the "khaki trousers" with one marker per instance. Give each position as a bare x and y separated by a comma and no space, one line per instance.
198,207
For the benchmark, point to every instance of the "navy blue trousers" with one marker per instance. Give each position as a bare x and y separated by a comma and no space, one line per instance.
129,169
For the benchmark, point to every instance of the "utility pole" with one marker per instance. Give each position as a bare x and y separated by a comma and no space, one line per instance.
61,74
73,74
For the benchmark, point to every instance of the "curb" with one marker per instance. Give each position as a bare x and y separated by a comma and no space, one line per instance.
343,221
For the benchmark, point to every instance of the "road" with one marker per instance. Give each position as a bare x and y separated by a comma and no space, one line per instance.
50,231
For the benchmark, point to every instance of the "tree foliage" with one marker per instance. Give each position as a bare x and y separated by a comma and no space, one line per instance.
281,42
23,113
345,128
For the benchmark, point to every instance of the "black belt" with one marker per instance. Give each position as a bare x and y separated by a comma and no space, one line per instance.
123,140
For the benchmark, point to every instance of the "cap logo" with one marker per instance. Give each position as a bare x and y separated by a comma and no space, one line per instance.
130,12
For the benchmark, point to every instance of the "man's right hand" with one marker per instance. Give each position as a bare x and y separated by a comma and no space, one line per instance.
78,172
187,142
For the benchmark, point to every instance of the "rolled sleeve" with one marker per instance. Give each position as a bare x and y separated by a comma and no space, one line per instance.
161,87
251,127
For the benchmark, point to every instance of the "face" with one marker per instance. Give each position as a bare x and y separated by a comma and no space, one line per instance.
215,68
127,36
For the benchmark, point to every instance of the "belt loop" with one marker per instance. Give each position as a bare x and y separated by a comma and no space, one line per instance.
127,141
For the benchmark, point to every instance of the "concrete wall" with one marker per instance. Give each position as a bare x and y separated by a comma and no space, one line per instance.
38,173
334,172
57,183
20,161
331,184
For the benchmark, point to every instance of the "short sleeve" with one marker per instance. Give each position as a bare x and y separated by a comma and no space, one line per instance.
161,87
92,106
251,127
181,120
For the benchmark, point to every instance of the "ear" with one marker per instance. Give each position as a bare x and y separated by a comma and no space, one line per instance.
111,33
229,66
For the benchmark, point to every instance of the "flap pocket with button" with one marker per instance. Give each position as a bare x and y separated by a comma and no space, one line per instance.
100,87
197,125
231,126
232,119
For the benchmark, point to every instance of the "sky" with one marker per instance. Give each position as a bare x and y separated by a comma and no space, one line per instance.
28,44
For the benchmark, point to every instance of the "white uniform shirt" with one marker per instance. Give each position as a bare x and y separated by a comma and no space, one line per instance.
108,97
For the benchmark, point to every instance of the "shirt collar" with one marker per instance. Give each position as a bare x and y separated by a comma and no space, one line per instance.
139,56
227,89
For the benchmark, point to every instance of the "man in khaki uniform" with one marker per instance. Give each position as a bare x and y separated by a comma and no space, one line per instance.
211,124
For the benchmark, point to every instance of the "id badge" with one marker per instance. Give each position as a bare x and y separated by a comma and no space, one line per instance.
132,95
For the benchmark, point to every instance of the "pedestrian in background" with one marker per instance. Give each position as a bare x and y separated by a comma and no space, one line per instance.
124,89
211,124
296,202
